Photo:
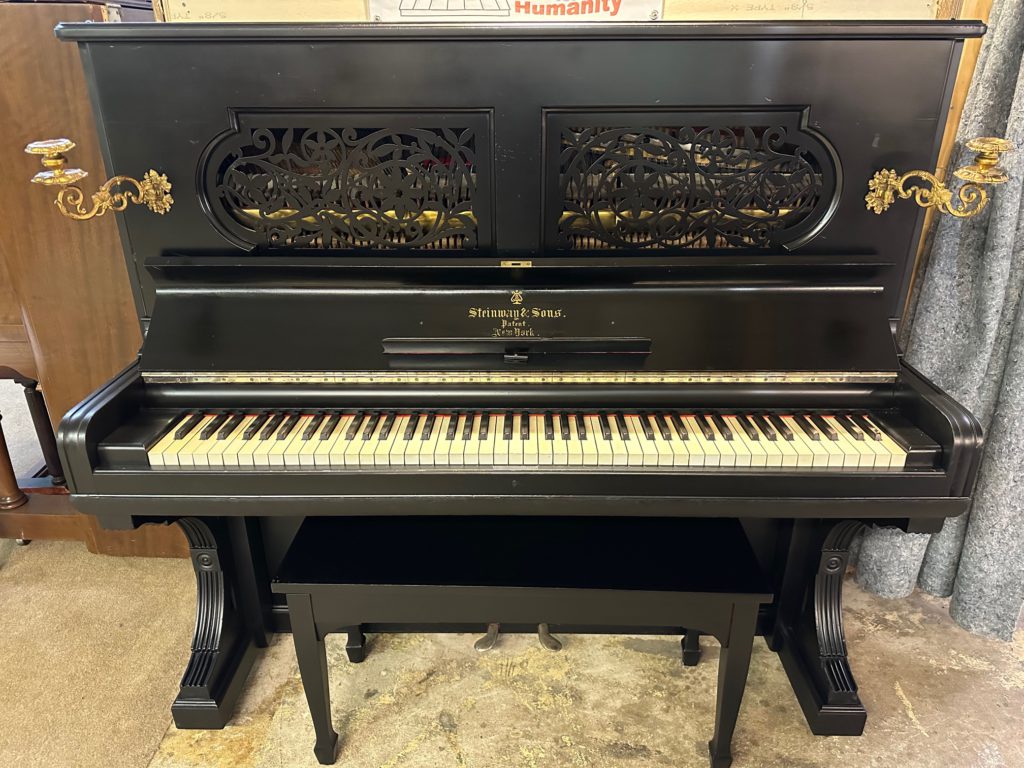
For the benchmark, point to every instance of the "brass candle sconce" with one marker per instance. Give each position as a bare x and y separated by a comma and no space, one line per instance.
115,194
969,200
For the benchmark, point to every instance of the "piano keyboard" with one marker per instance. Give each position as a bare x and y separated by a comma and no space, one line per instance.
283,440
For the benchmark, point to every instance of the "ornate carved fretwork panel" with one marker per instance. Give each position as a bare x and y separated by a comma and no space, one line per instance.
347,181
686,180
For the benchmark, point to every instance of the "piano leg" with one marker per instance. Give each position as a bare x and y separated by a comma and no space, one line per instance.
227,631
691,648
808,633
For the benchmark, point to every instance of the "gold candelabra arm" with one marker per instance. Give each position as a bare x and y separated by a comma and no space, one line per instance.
928,191
153,190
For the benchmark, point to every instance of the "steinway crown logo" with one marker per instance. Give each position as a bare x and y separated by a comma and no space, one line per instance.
517,297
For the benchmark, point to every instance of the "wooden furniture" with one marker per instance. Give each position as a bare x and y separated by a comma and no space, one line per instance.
67,316
11,495
565,573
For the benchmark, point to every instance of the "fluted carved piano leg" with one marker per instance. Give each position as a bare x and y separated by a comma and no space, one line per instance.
223,647
809,634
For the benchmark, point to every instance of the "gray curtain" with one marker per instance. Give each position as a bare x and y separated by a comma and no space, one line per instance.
967,335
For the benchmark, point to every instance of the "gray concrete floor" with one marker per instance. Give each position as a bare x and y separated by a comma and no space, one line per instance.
937,697
17,426
92,649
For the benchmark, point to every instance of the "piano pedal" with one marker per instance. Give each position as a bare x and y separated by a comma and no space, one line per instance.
548,641
488,641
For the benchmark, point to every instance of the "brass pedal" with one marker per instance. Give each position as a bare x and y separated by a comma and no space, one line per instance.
488,641
548,641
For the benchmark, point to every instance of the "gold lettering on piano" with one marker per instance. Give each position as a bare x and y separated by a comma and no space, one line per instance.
514,322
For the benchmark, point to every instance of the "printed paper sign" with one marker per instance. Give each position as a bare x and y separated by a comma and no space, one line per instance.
515,10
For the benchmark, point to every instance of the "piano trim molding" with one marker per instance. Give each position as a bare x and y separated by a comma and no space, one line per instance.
518,377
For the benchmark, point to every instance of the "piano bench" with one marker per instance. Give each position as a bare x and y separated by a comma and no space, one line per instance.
342,574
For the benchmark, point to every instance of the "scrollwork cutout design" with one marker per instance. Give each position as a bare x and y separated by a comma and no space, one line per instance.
685,187
349,187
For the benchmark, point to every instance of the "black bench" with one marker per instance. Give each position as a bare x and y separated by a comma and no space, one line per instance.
356,574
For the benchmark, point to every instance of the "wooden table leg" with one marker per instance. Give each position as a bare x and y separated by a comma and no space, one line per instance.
732,680
311,654
10,494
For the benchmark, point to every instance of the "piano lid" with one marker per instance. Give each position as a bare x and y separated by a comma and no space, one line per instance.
332,330
482,144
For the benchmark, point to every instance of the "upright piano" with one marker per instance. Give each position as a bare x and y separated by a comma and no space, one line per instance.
546,271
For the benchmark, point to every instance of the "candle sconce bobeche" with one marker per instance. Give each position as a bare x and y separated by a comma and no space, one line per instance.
153,190
969,200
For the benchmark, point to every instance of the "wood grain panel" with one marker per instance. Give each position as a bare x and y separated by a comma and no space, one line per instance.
67,317
69,276
15,349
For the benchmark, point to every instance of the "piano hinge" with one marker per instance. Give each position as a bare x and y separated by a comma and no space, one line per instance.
512,264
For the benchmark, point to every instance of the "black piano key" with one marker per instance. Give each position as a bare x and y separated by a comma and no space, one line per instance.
314,424
467,429
663,428
765,427
681,430
549,427
371,426
524,426
809,429
825,427
782,426
389,423
485,425
705,428
330,426
851,429
272,426
747,427
213,425
232,424
410,426
723,428
645,425
255,425
563,426
453,425
506,431
353,427
861,420
620,422
606,429
190,423
581,427
428,426
288,426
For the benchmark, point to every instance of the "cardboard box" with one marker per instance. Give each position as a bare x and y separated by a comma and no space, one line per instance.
678,10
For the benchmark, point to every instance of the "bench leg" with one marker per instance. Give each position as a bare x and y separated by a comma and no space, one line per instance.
691,648
355,647
732,679
311,654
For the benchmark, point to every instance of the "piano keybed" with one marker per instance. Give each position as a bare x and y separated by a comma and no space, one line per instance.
612,440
